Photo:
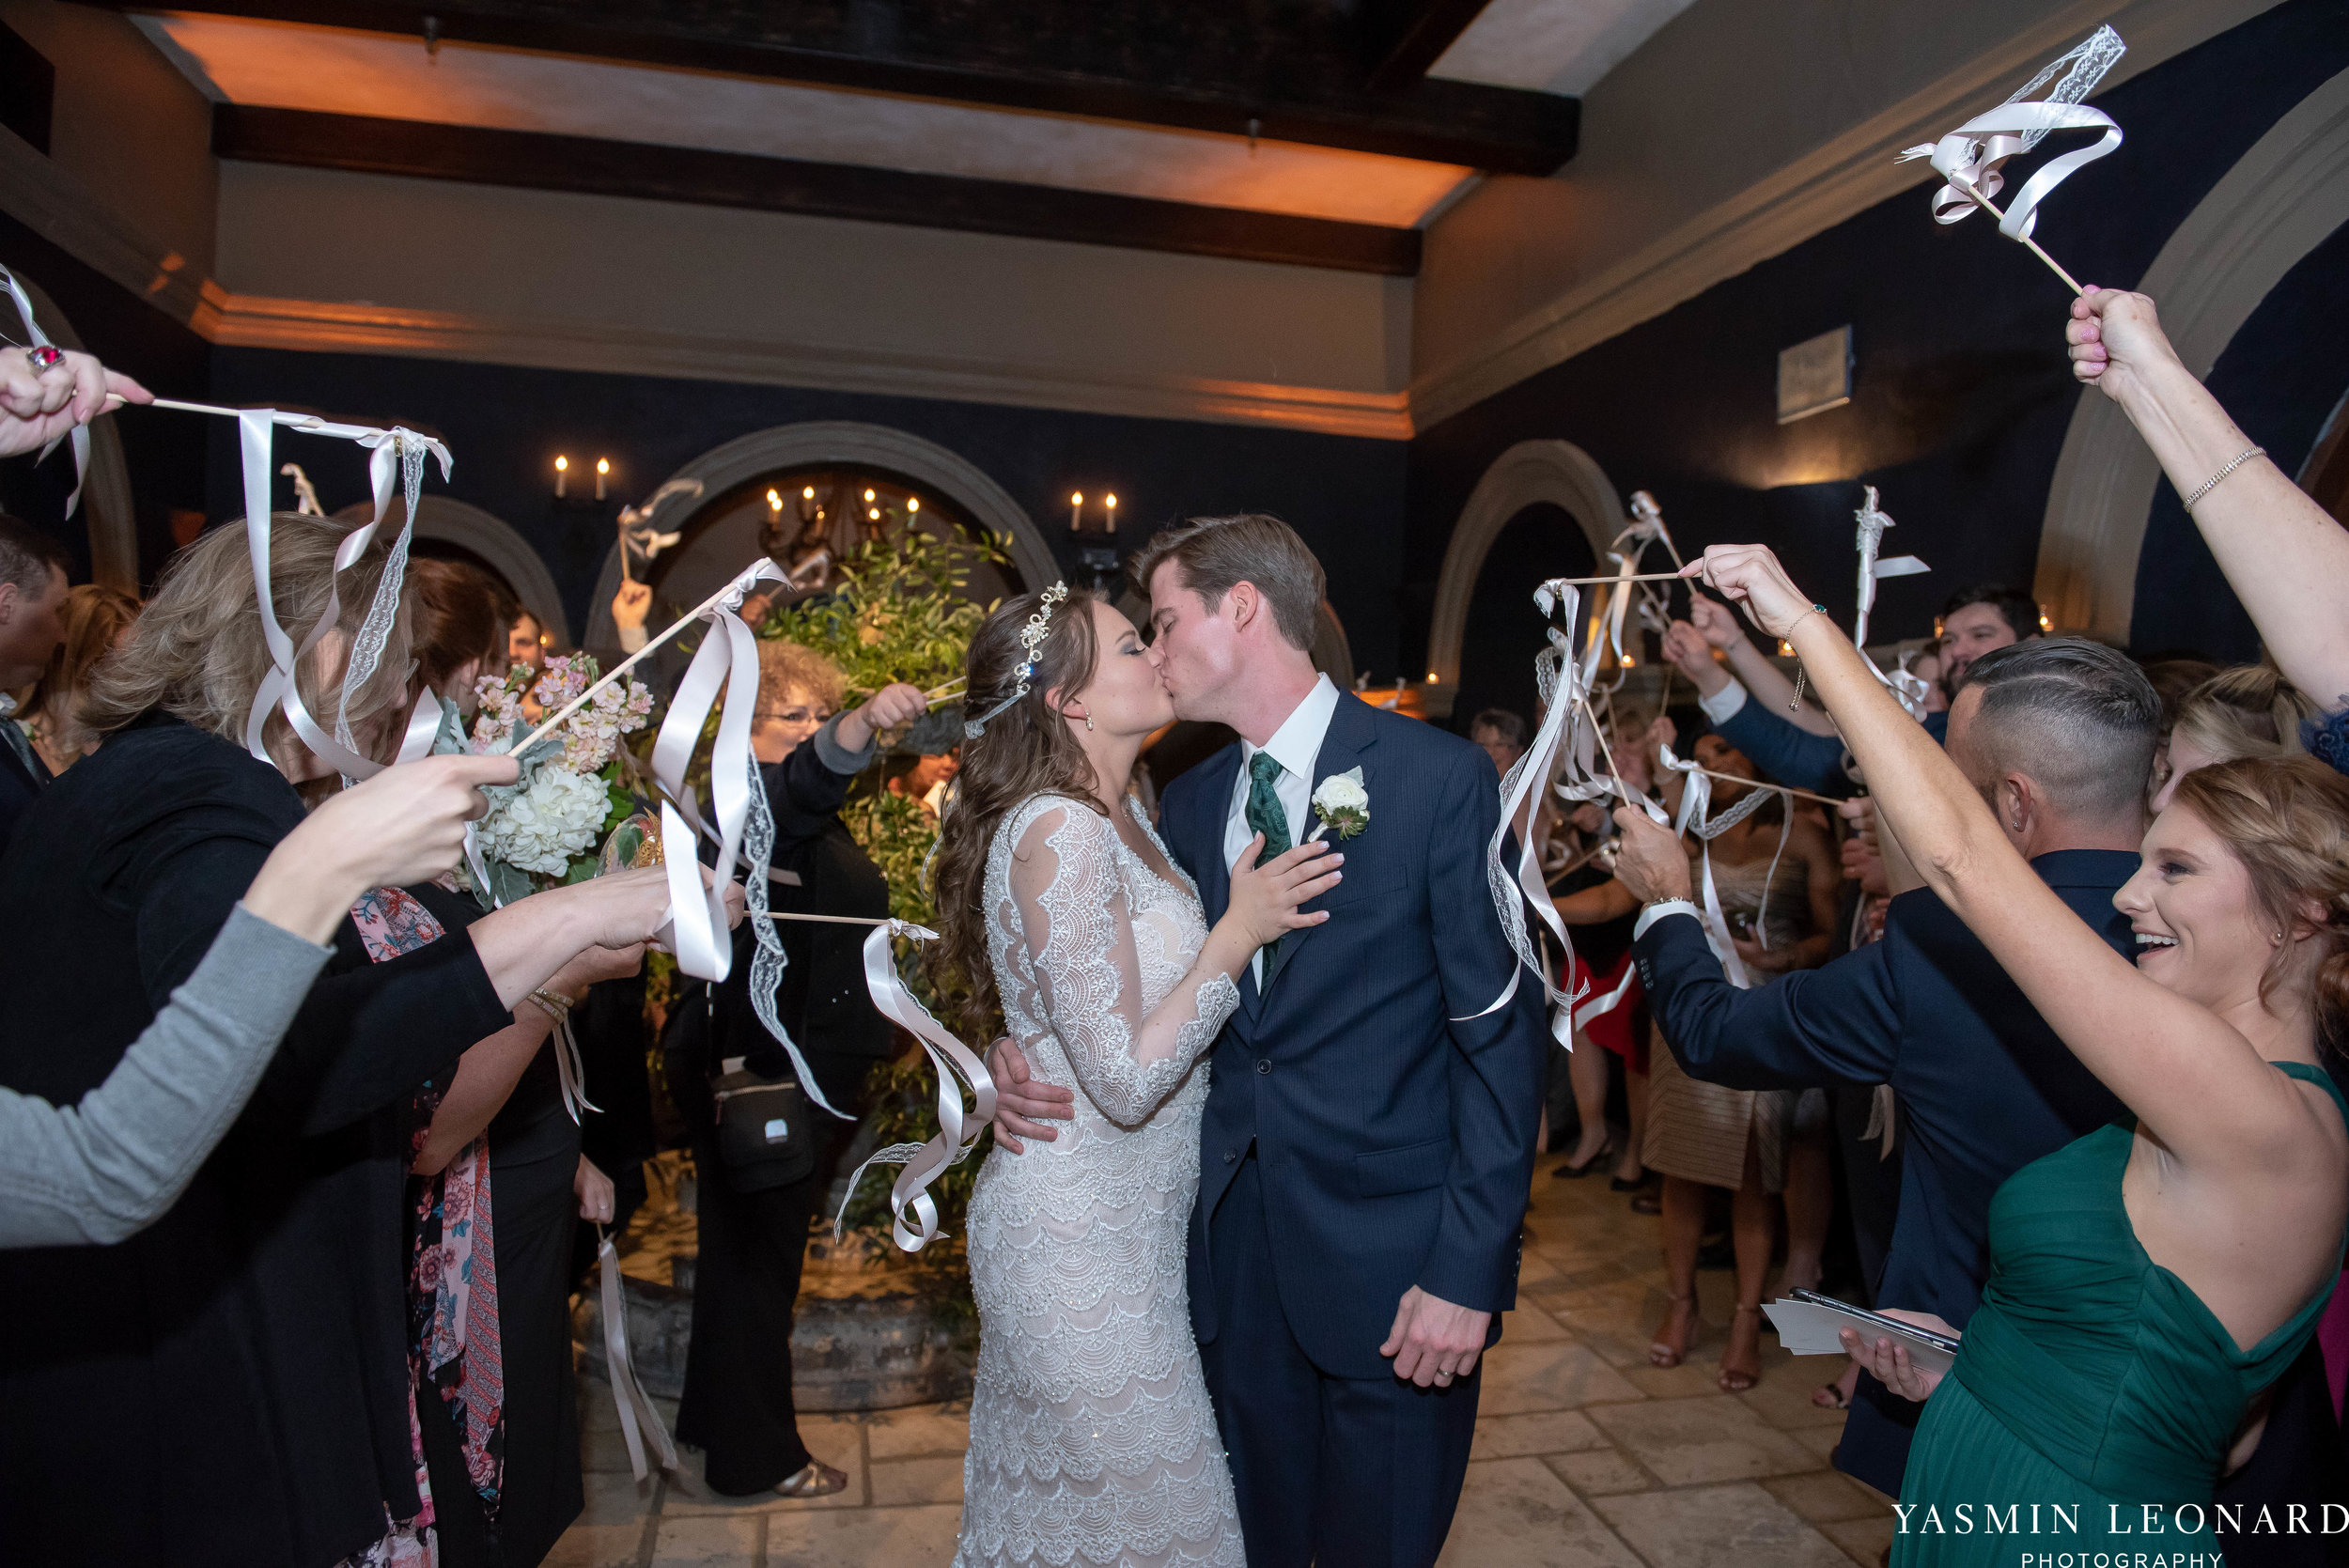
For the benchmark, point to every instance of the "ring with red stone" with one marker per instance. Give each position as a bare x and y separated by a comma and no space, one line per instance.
45,357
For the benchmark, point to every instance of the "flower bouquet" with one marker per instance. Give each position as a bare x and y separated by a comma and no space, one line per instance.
546,829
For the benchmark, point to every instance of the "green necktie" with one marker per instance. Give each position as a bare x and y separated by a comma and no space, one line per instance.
1267,816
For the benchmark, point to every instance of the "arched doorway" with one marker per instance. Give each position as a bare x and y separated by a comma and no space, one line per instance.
470,533
1504,628
724,529
1556,474
2282,199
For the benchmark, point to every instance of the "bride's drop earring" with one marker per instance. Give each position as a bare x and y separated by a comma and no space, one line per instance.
1088,721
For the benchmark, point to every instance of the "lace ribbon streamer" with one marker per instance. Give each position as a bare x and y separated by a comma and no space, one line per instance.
958,1067
79,435
1969,157
637,1415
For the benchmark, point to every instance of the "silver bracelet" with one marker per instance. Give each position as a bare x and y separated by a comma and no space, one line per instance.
2211,483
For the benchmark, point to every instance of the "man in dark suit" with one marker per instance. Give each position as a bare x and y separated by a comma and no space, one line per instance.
32,598
2059,735
1369,1132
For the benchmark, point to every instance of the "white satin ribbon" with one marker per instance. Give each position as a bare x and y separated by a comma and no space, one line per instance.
1969,157
637,1415
956,1065
1873,521
1696,807
399,449
79,435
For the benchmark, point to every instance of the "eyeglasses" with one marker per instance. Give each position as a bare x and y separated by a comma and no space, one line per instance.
798,715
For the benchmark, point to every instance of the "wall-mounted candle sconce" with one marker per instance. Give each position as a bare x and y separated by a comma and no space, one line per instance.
562,477
603,471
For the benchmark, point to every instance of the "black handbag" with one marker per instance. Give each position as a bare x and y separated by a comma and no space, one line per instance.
765,1136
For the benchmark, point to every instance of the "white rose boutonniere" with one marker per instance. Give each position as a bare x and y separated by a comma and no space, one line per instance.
1341,803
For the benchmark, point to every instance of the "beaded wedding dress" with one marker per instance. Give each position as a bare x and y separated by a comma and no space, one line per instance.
1092,1440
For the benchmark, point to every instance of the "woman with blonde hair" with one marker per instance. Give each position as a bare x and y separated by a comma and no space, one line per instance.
2150,1281
96,621
230,1385
2249,711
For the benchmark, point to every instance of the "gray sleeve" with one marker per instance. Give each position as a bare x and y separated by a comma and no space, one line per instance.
104,1169
839,759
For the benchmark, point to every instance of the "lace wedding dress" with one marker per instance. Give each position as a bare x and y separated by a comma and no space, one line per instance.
1092,1440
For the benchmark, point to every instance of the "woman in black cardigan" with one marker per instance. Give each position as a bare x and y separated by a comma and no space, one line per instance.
230,1386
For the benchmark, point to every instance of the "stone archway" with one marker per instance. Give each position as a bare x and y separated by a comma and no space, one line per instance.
1557,472
485,535
107,511
2284,197
845,443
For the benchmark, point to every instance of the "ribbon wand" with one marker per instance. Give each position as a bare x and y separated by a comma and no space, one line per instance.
740,584
1969,157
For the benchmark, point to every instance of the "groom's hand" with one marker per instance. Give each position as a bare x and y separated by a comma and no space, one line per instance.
1434,1341
1022,1104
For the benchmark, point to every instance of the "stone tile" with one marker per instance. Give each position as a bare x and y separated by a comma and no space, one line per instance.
1535,1269
917,1431
616,1499
1783,1396
1515,1511
598,1546
707,1542
1865,1541
1559,1376
1545,1431
1690,1379
1530,1325
1821,1440
905,1481
1600,1474
602,1450
1689,1442
1738,1525
864,1538
837,1441
1824,1497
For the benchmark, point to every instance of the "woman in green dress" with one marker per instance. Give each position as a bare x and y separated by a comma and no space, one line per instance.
2148,1282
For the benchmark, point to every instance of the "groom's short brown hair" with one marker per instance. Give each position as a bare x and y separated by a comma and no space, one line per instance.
1254,547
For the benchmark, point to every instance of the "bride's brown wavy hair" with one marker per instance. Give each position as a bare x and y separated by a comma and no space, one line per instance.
1025,750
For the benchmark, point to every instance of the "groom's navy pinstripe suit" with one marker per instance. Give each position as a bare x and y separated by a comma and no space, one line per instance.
1359,1140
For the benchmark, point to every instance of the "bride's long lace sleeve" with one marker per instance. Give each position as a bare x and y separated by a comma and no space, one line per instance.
1074,912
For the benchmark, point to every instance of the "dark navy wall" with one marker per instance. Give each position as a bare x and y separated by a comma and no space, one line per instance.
1962,393
165,452
505,425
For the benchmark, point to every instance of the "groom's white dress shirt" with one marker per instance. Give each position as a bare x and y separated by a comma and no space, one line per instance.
1294,746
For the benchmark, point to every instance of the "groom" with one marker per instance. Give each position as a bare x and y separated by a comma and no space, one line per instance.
1369,1132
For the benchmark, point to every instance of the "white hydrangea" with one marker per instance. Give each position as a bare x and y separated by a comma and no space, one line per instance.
542,828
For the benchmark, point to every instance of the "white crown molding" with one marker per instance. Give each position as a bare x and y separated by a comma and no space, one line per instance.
1837,180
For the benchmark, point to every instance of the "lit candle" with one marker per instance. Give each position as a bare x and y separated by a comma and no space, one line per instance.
1076,509
873,512
603,471
913,502
774,503
1110,502
562,475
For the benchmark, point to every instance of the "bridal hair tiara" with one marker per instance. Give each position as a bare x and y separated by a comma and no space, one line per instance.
1031,638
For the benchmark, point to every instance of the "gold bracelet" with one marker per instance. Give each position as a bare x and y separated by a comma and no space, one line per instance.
1800,673
2211,483
552,1003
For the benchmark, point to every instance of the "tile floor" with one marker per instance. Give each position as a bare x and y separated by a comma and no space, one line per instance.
1585,1457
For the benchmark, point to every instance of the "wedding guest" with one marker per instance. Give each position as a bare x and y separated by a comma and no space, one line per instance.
1503,736
102,1169
2119,1281
928,779
94,621
2250,711
2288,563
45,393
754,1214
1778,881
2057,732
32,600
242,1358
1795,744
459,635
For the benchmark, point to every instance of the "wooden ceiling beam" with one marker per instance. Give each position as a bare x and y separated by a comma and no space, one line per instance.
1402,38
591,165
1309,90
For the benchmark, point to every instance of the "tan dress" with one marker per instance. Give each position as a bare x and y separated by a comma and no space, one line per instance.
1698,1130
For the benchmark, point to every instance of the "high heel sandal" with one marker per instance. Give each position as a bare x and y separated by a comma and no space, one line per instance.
814,1479
1571,1172
1662,1352
1734,1380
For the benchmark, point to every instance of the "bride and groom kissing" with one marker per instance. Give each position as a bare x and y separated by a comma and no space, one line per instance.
1263,1136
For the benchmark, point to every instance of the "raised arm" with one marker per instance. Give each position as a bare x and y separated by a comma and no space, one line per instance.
2283,556
2193,1081
1717,623
1078,926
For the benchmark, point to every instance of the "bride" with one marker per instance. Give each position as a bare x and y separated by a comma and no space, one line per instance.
1092,1440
